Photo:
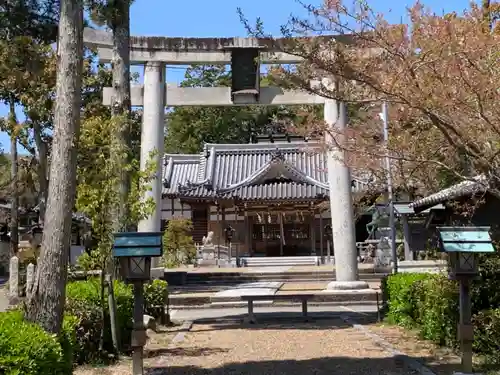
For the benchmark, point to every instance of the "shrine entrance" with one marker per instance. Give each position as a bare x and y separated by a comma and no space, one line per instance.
282,234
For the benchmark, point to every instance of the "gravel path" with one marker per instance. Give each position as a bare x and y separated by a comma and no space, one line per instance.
324,347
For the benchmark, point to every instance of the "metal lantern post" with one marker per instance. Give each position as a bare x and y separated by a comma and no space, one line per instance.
463,244
328,235
134,252
229,232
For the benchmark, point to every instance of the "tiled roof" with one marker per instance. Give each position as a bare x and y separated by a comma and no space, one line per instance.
295,170
478,184
178,170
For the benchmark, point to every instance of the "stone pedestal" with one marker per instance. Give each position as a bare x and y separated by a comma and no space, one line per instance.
347,285
341,206
383,255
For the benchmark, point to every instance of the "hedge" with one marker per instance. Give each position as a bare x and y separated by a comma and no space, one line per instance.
25,348
430,304
83,301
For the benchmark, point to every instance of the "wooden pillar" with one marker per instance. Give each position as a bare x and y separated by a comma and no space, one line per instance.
248,232
264,225
311,233
407,238
218,232
465,329
222,225
235,227
322,253
282,232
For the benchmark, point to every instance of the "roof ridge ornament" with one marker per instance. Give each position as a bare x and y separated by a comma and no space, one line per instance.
277,155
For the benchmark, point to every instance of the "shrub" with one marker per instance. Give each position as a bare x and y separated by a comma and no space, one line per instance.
486,290
155,298
178,244
430,303
25,348
67,339
435,304
397,291
487,333
83,301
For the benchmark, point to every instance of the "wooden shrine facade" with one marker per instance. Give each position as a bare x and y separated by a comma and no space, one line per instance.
271,192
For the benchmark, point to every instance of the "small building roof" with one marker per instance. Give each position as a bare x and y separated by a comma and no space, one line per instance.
260,171
404,208
478,184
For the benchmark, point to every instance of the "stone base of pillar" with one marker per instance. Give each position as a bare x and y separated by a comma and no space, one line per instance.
347,285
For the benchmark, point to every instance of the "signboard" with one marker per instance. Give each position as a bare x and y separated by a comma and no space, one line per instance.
465,239
137,244
137,251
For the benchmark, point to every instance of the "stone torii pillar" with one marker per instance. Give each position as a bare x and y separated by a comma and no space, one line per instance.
153,137
341,205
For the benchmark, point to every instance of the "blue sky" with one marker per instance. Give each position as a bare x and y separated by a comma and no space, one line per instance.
218,18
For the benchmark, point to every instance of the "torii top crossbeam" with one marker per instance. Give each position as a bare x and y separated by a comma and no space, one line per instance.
185,51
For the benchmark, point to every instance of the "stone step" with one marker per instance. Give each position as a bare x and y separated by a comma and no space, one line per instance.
221,280
280,261
263,274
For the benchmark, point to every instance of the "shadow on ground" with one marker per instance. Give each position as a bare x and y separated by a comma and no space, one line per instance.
287,320
318,366
183,352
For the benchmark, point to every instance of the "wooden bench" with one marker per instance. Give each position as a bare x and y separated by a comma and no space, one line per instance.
276,297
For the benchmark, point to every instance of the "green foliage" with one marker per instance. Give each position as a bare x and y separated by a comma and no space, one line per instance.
84,300
487,334
155,297
435,303
99,172
26,349
398,294
37,19
190,127
67,339
430,303
486,290
178,244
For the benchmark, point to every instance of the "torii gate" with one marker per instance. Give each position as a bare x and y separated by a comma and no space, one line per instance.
245,56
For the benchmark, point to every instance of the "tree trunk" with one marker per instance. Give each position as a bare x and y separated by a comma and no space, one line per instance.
121,105
14,210
42,163
46,305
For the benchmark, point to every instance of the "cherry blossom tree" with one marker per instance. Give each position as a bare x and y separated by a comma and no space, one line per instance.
439,75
